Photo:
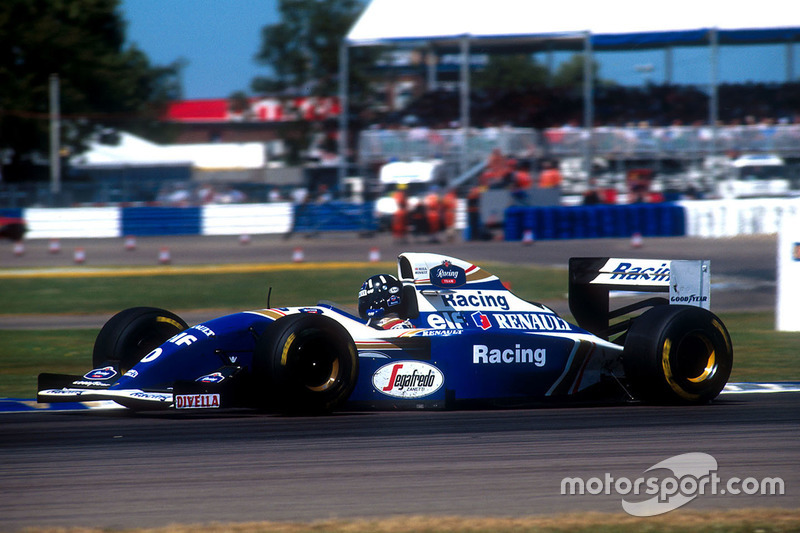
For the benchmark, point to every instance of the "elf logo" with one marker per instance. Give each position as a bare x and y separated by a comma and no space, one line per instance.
408,379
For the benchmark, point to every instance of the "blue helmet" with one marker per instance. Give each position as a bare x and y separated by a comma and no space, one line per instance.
379,295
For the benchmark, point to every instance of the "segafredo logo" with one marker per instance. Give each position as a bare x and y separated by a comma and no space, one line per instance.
408,379
448,275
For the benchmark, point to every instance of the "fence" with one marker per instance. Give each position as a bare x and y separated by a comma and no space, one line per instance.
670,142
380,146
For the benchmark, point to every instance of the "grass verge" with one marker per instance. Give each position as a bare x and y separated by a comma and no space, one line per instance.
738,521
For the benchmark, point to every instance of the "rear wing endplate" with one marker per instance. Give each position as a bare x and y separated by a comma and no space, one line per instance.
593,279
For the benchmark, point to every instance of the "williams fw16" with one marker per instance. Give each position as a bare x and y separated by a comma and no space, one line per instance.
443,333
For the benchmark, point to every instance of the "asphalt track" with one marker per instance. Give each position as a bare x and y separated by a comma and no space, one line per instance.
117,469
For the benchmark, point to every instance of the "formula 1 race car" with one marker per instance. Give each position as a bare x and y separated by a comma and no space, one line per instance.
456,337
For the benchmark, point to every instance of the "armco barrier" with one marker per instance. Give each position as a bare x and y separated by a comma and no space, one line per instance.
247,219
595,221
334,216
144,221
94,222
72,223
695,218
11,212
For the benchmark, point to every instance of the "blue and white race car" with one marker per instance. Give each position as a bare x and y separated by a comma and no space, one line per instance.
443,334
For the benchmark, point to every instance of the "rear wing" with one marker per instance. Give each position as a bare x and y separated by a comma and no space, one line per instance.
592,280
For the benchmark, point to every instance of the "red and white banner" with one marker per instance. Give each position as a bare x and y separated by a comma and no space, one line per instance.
310,108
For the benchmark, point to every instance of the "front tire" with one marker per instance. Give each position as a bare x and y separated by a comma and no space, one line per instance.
677,354
304,364
133,333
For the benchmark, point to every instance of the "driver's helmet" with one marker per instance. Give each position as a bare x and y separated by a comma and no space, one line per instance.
379,295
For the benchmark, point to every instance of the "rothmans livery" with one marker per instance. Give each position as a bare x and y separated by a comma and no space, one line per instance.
466,340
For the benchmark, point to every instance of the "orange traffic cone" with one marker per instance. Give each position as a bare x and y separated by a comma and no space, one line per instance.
164,256
374,255
527,237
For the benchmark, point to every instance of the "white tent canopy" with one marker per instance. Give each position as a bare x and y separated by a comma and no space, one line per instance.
608,21
132,150
587,24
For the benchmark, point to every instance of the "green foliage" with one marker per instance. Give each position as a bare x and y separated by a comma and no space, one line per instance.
511,73
569,74
101,82
303,48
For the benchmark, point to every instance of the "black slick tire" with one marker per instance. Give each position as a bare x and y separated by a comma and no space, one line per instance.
304,364
133,333
677,354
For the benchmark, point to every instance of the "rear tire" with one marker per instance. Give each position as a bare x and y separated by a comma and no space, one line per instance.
304,364
133,333
677,354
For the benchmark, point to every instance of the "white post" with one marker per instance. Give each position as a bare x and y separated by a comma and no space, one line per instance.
431,61
464,98
344,104
786,316
713,101
55,136
588,104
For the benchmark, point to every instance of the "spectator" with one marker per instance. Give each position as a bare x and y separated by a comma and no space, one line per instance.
418,220
592,196
550,176
400,217
476,230
433,215
449,204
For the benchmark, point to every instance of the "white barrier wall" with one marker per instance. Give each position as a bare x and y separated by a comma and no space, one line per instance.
246,219
729,218
73,223
787,317
704,218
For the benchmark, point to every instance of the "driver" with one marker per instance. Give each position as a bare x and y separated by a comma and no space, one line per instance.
380,300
